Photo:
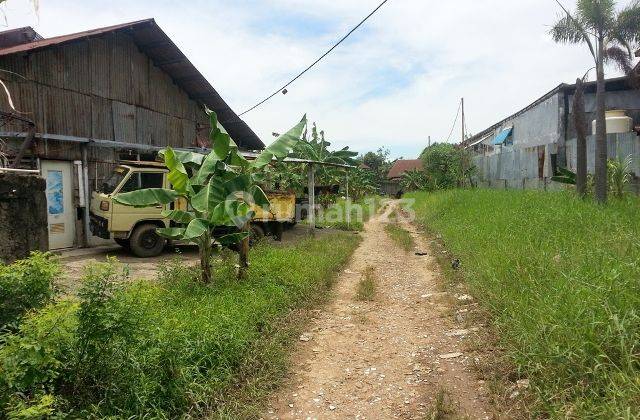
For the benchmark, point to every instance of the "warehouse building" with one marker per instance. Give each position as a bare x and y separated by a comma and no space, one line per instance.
525,149
75,105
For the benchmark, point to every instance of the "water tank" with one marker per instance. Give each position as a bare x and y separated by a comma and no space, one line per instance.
617,122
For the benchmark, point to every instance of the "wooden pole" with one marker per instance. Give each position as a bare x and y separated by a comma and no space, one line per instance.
87,196
348,206
312,199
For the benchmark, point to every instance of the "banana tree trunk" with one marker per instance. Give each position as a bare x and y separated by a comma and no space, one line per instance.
205,260
581,139
601,131
244,253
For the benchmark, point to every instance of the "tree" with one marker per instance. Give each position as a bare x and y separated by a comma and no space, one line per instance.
378,162
609,36
220,189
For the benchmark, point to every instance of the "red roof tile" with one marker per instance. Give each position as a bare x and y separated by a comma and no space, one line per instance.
401,166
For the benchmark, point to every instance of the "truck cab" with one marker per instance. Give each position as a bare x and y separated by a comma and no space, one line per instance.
135,228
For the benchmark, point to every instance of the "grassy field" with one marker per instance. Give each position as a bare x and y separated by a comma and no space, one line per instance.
170,347
561,278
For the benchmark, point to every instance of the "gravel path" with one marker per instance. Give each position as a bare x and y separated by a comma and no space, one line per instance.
389,358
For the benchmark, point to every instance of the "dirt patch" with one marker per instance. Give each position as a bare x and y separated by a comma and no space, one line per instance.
400,356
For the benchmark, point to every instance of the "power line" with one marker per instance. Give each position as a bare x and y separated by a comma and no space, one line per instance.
317,61
454,123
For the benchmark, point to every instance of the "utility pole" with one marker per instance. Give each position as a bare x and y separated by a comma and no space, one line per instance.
429,141
463,131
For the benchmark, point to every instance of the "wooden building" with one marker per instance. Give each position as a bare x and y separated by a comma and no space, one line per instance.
97,96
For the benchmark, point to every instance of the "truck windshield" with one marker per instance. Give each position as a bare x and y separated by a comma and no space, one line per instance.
110,184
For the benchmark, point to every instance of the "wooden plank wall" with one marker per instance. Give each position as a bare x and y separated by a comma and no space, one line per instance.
102,88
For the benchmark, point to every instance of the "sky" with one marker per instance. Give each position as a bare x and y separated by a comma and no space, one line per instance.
392,84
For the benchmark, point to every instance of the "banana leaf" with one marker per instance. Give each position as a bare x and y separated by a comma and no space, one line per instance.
147,197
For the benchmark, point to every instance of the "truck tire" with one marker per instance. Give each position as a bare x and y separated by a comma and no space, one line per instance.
145,242
123,243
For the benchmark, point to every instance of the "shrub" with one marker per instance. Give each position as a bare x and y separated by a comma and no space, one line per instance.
163,349
26,284
447,166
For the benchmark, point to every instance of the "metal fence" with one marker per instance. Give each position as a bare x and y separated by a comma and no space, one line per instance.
530,168
620,146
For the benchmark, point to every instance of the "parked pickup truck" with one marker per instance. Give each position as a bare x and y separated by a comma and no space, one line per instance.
135,228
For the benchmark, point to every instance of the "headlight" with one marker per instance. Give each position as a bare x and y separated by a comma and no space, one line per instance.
104,205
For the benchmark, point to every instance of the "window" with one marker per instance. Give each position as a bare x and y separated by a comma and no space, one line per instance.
113,181
142,180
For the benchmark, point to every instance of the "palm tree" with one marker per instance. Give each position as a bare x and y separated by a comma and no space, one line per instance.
609,36
581,139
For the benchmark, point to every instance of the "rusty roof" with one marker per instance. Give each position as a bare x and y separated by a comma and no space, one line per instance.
152,40
401,166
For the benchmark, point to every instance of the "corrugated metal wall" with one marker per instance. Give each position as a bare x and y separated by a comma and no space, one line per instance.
521,168
619,147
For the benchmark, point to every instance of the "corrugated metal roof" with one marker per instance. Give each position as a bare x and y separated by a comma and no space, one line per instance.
152,40
401,166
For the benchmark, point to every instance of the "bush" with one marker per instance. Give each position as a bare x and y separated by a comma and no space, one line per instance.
447,166
169,348
560,276
24,285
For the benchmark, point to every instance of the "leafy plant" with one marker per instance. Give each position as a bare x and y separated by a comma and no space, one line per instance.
416,180
619,175
618,172
362,183
168,348
610,37
565,176
447,165
220,189
26,284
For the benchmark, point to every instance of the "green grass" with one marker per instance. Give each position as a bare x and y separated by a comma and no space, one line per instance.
400,236
171,347
361,211
561,278
367,285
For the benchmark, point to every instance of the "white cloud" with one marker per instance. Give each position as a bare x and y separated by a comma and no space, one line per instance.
393,84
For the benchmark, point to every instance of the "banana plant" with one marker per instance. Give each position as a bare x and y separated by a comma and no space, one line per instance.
220,189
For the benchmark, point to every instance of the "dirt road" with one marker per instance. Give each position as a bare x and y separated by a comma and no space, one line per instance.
396,357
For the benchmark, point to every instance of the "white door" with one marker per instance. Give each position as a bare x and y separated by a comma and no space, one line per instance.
60,210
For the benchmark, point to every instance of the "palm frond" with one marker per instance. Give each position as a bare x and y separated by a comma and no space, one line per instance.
597,15
570,30
621,58
627,26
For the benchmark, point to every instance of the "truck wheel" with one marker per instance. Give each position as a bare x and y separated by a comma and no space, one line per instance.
123,243
145,242
256,233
